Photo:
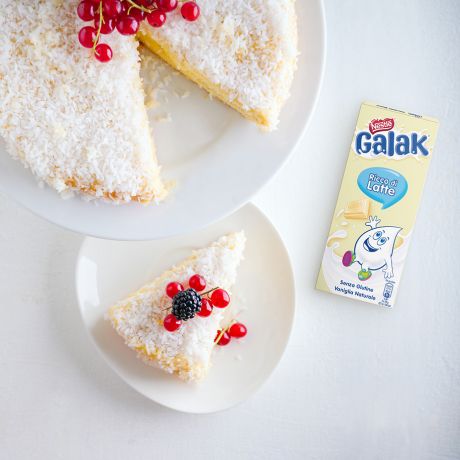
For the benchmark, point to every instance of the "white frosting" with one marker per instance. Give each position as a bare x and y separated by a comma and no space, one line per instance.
66,115
80,124
247,47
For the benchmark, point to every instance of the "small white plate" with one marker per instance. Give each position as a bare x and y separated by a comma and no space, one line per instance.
107,271
217,159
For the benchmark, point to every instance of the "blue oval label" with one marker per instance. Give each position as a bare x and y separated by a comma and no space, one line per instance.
383,185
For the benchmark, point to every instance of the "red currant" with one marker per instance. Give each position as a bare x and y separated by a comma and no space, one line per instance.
97,4
127,25
206,308
171,323
167,5
238,330
224,340
137,14
190,11
145,3
220,298
108,26
87,36
111,8
85,11
156,18
173,288
197,282
103,52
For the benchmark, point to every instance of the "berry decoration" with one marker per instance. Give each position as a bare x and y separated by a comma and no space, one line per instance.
107,27
167,5
186,304
234,329
87,36
192,301
111,8
127,25
85,10
173,288
238,330
190,11
197,282
220,298
137,14
171,323
156,18
206,308
222,338
126,16
103,52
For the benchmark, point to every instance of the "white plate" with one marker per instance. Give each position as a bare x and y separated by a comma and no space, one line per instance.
218,159
107,271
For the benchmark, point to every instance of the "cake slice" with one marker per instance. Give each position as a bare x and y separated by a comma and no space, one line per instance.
242,52
185,352
76,123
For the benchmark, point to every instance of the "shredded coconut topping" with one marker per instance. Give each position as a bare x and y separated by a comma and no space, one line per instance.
187,351
246,47
75,122
82,125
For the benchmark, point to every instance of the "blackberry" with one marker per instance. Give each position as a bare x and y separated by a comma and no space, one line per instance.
186,304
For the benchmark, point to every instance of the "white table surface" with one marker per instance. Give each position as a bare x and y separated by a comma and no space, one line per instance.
357,381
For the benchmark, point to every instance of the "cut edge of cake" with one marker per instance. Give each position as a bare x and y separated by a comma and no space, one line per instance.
264,115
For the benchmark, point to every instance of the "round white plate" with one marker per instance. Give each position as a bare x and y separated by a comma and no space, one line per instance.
217,159
107,271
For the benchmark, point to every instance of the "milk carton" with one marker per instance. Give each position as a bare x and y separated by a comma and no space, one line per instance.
377,205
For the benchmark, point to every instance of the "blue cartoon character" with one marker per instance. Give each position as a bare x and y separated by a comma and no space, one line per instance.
373,250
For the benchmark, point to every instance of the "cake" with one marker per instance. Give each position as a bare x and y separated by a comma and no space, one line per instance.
187,351
242,52
76,123
81,125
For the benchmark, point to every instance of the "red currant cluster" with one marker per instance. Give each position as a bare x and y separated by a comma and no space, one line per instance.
234,329
213,298
125,16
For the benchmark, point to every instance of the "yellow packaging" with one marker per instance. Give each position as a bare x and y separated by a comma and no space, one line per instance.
377,205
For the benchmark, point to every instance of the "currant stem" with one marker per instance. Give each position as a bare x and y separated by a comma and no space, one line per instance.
139,7
201,295
207,292
223,331
101,21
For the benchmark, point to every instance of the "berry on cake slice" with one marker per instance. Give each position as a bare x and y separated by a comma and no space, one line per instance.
197,282
188,303
234,329
220,298
206,308
238,330
222,338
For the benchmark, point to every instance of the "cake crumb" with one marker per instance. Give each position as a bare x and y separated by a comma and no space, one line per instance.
163,117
